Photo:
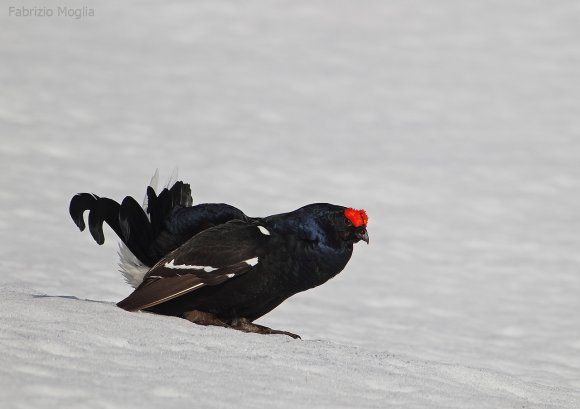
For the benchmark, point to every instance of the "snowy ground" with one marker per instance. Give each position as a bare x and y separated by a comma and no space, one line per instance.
455,124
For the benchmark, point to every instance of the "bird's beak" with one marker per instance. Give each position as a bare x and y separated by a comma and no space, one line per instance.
363,235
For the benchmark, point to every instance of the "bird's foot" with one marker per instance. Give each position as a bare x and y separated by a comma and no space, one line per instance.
242,324
203,318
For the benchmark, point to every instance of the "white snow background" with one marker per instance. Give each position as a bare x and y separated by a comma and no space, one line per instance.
454,123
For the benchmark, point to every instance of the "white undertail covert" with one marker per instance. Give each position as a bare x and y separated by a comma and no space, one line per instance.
131,267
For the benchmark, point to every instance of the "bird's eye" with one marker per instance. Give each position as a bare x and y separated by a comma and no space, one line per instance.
347,222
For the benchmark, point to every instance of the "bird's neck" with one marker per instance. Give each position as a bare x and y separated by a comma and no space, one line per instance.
325,262
322,256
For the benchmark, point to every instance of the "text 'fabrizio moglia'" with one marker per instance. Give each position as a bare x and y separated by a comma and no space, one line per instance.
64,11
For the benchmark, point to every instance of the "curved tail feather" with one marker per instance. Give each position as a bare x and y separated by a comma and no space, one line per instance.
129,220
149,232
103,210
78,204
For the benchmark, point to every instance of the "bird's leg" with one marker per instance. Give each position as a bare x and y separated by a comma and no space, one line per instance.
242,324
203,318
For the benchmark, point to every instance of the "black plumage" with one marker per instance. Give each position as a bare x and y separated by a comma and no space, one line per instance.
212,264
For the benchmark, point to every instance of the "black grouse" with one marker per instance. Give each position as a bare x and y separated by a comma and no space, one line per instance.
212,264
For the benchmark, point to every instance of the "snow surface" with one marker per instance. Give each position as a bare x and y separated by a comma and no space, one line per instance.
454,124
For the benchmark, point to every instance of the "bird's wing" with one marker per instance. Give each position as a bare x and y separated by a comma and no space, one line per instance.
209,258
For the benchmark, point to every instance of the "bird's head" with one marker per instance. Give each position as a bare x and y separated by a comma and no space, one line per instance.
346,225
355,222
325,222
